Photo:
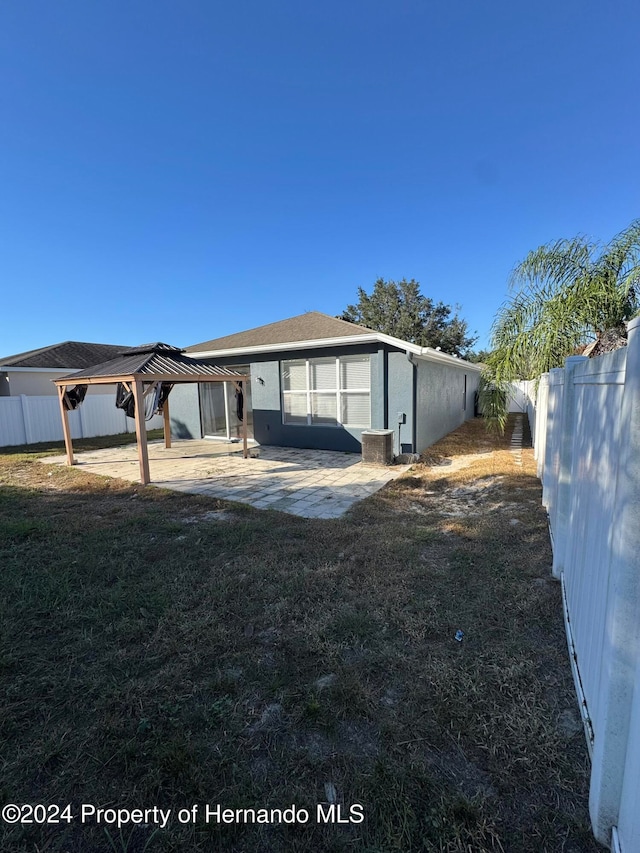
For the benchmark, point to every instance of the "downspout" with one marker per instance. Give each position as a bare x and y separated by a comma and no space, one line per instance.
384,362
414,400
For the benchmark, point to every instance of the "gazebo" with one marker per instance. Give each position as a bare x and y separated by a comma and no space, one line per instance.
145,376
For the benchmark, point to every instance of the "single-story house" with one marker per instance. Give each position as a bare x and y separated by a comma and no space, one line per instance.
318,382
32,372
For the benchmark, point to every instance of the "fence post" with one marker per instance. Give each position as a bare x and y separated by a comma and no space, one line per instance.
621,649
542,394
26,417
542,403
552,433
566,441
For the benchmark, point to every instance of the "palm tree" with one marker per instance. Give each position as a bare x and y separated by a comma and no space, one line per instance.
565,295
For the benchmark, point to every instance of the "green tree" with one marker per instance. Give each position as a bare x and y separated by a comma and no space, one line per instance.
479,356
565,295
399,309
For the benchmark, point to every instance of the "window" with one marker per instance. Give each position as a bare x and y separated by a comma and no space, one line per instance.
327,391
294,392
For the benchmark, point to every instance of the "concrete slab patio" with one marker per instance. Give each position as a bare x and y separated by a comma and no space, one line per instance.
308,483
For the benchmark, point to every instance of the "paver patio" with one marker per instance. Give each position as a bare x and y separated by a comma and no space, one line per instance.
308,483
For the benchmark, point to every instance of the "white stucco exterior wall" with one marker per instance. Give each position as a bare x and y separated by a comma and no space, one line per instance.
441,402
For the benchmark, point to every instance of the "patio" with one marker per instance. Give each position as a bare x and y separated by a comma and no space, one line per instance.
307,483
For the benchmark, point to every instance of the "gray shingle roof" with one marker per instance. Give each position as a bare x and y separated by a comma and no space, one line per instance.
311,326
154,359
67,355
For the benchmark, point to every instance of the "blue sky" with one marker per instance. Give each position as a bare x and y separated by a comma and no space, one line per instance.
181,170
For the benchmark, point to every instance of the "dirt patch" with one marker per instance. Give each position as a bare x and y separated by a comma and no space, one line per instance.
460,462
213,515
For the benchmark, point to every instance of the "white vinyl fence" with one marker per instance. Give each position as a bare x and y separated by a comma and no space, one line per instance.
587,443
520,395
29,420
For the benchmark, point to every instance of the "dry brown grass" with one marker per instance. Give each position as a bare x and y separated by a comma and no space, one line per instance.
253,659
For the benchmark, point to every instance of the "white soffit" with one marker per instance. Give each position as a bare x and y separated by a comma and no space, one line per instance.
422,352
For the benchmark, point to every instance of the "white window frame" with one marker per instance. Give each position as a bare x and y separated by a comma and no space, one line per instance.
308,393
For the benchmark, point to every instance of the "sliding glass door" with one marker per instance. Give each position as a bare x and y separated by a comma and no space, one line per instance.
213,409
221,408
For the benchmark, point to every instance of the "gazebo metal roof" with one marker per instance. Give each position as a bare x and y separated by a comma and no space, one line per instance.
140,370
153,360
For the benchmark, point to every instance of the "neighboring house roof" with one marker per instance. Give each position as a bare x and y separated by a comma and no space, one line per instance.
67,355
152,360
305,327
312,330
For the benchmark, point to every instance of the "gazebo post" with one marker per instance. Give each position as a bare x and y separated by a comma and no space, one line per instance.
157,364
141,431
62,389
167,423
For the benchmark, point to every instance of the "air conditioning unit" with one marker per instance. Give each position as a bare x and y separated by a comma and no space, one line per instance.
377,446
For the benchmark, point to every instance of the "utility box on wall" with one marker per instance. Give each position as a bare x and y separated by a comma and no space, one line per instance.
377,446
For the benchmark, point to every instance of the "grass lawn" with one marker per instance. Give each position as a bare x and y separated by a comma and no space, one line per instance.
161,649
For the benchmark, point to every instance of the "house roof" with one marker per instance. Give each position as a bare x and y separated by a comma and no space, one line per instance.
67,355
313,330
152,361
305,327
